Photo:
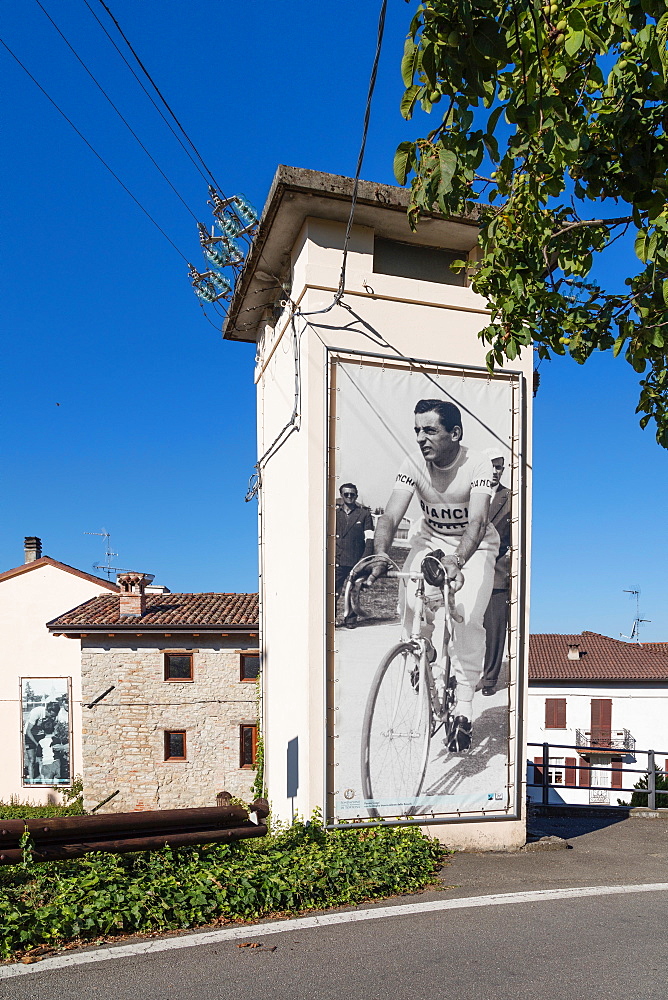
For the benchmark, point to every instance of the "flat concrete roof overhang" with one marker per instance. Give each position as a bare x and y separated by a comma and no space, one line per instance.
296,195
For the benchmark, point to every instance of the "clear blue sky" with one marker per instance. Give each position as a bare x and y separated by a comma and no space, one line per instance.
122,408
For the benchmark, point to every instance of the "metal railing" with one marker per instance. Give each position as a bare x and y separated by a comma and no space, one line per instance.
620,739
650,772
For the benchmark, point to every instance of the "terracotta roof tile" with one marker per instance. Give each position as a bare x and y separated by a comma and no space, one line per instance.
601,659
210,610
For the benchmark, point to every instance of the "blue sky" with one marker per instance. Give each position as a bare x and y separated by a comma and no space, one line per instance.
123,409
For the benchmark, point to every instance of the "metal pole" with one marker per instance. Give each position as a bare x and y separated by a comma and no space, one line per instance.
651,780
546,764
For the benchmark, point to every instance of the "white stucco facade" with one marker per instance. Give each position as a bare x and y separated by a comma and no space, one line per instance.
639,722
394,316
30,597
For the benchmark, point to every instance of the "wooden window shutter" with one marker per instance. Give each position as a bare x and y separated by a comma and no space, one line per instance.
538,770
555,713
585,775
616,776
601,720
571,769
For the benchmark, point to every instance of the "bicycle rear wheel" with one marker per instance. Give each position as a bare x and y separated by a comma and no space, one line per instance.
396,730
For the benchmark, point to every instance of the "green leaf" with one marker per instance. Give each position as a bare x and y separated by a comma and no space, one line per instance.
403,161
574,42
448,163
410,62
408,100
640,246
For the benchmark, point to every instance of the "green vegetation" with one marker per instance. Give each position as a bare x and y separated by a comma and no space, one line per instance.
72,805
299,868
638,799
555,116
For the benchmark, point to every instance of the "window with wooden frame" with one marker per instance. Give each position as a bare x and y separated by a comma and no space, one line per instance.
178,666
249,666
247,745
175,744
555,713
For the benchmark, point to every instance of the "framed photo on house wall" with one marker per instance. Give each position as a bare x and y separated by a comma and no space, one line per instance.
46,731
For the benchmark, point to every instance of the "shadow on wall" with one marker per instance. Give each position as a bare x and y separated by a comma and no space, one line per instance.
293,772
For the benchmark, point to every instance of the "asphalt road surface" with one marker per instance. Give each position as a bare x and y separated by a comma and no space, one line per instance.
608,946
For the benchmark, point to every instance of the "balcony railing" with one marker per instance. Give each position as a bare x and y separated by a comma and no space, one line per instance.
619,739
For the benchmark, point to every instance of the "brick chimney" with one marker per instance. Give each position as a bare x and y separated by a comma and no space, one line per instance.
32,548
574,651
133,596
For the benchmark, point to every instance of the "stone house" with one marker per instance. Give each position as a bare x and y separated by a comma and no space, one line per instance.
37,671
169,686
599,703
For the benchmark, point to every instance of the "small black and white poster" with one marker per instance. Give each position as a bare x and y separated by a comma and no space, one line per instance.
424,550
46,735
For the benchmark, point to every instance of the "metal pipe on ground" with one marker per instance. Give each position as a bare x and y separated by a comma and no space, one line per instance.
66,851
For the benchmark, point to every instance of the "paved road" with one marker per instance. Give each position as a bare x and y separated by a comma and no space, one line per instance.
609,946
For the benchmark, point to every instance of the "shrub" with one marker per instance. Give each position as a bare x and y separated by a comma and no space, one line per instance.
299,868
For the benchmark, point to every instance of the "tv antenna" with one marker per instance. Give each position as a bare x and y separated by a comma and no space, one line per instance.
109,555
637,621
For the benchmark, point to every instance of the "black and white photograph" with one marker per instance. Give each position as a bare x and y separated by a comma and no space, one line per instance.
45,713
423,553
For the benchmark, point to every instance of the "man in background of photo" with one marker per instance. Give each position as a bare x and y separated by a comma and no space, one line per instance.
496,615
354,538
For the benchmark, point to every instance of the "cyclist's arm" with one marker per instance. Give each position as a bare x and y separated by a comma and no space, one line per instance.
476,528
388,522
386,529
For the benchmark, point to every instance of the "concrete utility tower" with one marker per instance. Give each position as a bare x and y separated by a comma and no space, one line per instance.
343,358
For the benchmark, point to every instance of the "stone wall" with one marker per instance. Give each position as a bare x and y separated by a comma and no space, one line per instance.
123,735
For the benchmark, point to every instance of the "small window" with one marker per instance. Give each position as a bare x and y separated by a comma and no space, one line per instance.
247,746
178,666
250,666
556,771
555,713
175,744
407,260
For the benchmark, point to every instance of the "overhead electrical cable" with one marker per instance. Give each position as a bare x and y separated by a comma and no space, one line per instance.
167,106
120,115
149,95
93,150
365,132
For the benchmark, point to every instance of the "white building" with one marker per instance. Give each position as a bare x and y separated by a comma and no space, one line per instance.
38,669
598,703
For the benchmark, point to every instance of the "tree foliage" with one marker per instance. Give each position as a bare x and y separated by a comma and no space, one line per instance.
568,103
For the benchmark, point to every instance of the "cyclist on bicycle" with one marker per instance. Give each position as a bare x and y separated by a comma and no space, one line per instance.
454,486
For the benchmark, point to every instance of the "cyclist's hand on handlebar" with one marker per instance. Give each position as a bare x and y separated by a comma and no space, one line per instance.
368,570
453,573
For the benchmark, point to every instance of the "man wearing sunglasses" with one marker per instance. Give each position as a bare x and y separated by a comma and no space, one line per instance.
354,537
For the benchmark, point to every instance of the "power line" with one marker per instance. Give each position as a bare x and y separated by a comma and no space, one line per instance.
93,150
166,104
124,120
150,96
365,132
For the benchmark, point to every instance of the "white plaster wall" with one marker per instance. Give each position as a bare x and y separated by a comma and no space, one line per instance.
420,319
27,649
640,708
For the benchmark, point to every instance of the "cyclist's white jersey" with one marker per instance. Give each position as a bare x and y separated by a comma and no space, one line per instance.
445,512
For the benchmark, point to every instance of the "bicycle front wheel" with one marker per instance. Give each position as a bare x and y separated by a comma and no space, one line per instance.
396,731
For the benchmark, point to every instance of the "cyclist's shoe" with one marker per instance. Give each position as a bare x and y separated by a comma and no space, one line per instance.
434,574
461,735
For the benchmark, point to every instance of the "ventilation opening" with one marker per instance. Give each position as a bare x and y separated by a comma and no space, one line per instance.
405,260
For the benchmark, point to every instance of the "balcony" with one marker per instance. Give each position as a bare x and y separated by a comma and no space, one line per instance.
604,741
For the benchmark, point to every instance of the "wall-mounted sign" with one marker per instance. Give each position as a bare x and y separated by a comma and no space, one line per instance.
46,731
425,481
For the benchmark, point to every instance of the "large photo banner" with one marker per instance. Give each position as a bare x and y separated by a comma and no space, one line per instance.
424,542
46,731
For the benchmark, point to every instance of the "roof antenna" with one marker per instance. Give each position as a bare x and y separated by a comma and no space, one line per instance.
637,621
109,554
